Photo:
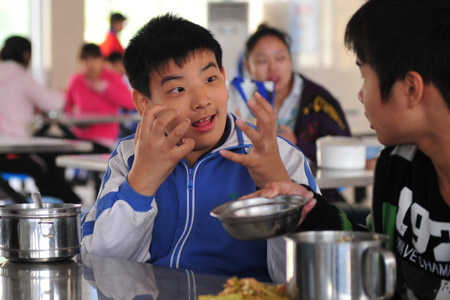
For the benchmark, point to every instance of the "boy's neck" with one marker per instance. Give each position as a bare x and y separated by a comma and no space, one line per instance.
439,152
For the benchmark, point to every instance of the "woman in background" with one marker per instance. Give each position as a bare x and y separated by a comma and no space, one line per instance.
305,110
20,94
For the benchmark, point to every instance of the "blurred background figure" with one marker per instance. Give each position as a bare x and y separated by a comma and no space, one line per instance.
93,91
305,110
111,43
115,61
21,97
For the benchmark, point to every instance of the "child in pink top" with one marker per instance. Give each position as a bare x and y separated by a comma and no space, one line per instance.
96,90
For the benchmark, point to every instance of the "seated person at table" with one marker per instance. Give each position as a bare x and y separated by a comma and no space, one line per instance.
305,110
20,95
188,156
96,91
115,61
406,96
20,98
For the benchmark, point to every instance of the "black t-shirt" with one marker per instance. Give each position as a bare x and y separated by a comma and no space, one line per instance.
409,208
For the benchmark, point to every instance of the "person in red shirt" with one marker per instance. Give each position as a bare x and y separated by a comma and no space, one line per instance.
96,90
111,43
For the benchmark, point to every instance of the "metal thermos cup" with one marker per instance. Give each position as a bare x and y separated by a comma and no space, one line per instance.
337,265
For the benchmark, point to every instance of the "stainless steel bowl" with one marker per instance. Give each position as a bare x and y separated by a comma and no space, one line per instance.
260,218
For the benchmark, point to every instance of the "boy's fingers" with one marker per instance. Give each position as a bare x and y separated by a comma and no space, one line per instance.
234,157
255,194
162,120
148,117
177,133
264,103
252,134
184,148
262,113
137,134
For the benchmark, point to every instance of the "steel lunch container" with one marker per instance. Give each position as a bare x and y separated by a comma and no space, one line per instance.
50,233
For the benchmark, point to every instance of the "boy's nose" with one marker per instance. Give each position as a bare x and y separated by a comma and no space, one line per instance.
200,100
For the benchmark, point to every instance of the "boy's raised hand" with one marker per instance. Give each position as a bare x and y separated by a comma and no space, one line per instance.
263,161
157,151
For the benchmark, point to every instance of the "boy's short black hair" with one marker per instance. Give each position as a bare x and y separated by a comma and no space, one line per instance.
162,39
90,50
14,48
116,17
263,31
398,36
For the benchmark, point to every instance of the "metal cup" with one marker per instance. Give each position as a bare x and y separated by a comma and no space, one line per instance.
337,265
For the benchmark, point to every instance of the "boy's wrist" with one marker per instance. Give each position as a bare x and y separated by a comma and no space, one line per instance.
140,184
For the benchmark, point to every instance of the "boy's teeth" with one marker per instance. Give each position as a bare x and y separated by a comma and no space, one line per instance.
204,120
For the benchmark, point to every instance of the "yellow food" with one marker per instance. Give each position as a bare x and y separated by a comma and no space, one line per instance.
248,289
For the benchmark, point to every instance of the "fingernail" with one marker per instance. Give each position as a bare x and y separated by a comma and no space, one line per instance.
267,192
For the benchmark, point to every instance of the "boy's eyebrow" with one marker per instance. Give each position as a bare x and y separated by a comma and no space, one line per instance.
210,65
168,78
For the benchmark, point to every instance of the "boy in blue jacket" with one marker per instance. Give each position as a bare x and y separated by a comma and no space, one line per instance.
188,155
402,50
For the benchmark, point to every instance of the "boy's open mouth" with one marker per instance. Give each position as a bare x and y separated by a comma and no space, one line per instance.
204,121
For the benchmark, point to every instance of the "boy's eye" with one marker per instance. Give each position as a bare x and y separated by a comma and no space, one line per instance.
211,78
177,90
281,58
261,61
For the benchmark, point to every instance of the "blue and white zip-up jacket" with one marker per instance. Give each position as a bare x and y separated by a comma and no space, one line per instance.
174,227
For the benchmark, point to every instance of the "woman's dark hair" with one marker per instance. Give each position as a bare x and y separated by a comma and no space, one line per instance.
90,50
14,49
398,36
263,31
161,40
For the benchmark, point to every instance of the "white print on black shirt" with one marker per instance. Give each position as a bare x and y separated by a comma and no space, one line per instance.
422,227
408,252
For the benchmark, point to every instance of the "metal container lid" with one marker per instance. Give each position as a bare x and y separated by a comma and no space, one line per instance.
29,210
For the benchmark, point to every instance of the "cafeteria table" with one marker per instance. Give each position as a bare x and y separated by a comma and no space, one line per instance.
36,145
335,178
325,178
87,277
42,145
88,119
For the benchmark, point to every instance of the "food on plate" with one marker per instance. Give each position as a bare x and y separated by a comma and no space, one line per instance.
249,289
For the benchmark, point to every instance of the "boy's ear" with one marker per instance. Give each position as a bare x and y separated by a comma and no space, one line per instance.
223,72
141,102
414,87
245,62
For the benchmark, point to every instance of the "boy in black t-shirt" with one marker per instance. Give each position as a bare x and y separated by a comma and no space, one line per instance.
402,50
